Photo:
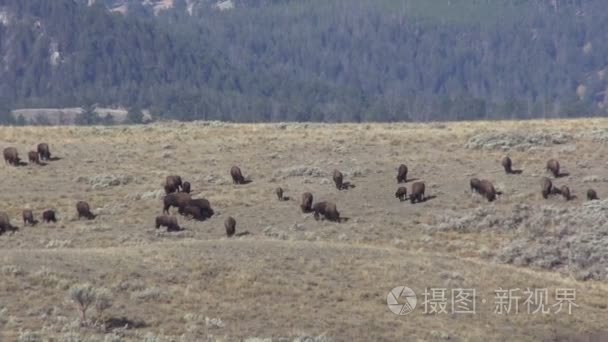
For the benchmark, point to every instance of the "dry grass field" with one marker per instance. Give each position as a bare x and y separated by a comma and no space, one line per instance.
294,278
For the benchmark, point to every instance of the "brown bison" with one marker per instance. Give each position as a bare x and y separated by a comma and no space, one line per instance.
402,174
306,203
553,167
33,157
237,175
546,187
199,208
230,225
327,209
475,183
44,151
486,189
11,156
279,192
417,193
49,216
401,193
84,210
507,164
167,221
338,179
591,195
186,187
28,217
5,223
173,184
178,200
565,191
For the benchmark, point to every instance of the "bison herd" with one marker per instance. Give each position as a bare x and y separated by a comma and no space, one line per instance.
177,194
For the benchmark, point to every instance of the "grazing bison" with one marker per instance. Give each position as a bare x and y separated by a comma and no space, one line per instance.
28,217
475,183
553,167
178,200
279,192
591,195
401,193
546,187
173,184
186,187
237,175
49,216
167,221
199,208
5,223
338,179
486,189
84,210
327,209
33,157
44,151
565,191
11,156
507,164
402,174
230,225
417,194
306,203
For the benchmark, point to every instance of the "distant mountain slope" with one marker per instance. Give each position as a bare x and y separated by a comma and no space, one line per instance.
330,60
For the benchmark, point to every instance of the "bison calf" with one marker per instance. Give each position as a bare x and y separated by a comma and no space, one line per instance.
546,187
565,191
279,192
237,175
306,203
338,179
230,225
591,195
167,221
553,167
507,164
401,193
475,183
84,210
417,194
327,209
402,174
28,217
44,151
33,157
49,216
186,187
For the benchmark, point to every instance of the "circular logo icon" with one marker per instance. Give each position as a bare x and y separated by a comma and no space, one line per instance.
401,300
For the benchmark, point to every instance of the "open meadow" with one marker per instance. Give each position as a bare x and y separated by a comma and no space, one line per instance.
292,277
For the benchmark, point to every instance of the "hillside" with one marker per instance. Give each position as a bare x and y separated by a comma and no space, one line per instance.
292,277
285,60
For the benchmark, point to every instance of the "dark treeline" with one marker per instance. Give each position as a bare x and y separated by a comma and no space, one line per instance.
330,60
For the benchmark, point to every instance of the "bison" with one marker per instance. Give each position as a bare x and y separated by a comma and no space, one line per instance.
49,216
237,175
173,184
84,210
327,209
546,187
279,192
178,200
338,179
591,195
11,156
28,217
507,164
486,189
33,157
44,151
230,225
167,221
401,193
199,208
306,203
417,193
402,174
5,223
186,187
553,167
565,191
